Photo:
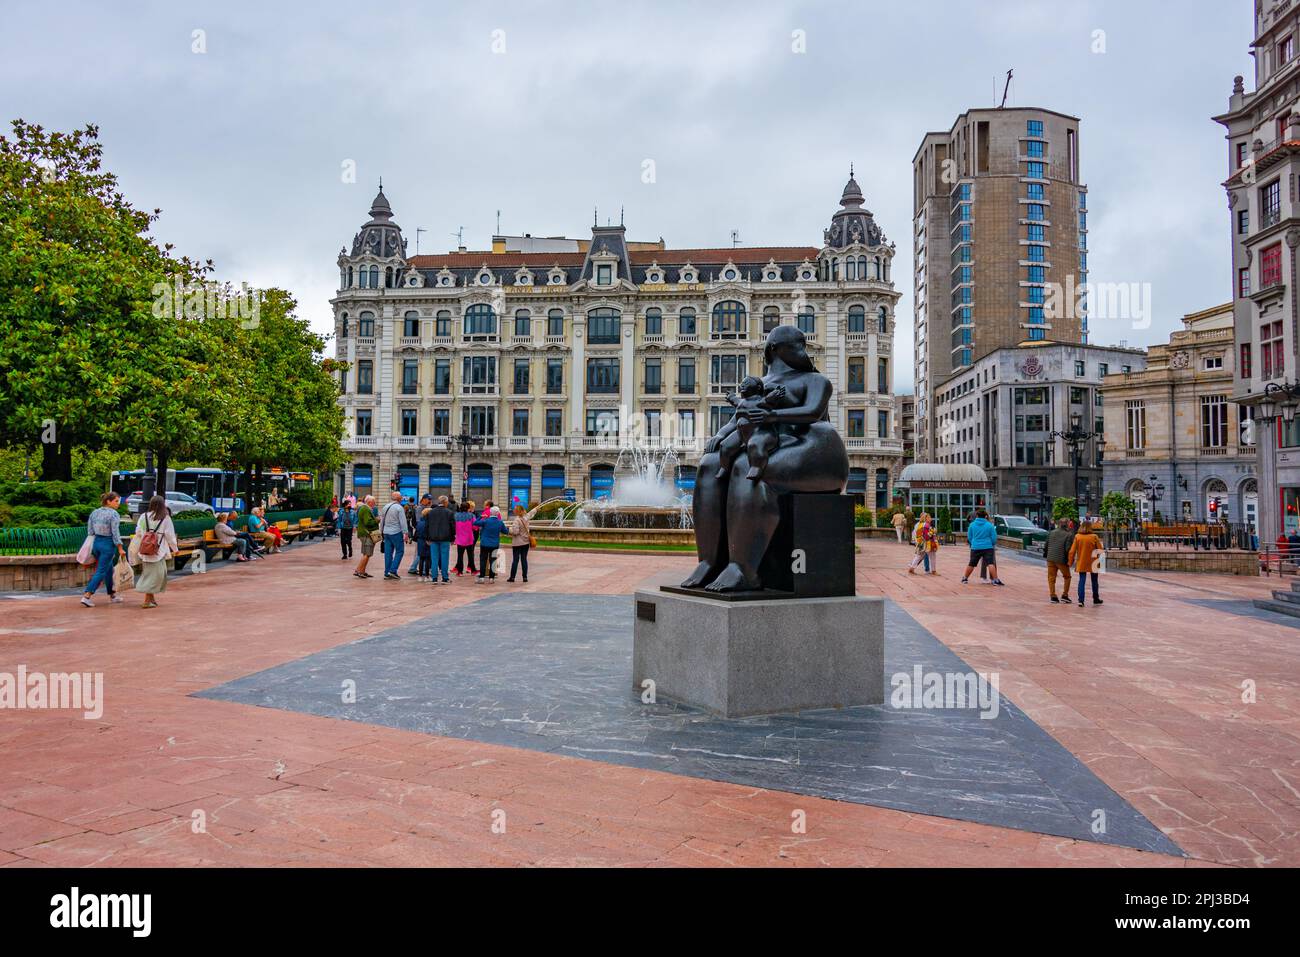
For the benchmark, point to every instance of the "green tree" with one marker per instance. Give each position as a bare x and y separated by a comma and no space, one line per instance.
944,521
80,344
296,420
1064,508
1118,509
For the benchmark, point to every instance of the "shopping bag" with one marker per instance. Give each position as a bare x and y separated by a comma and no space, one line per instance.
86,554
123,577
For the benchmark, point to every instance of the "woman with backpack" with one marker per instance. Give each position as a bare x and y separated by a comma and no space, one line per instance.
153,543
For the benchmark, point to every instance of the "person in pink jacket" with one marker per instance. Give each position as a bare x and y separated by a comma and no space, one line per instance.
465,537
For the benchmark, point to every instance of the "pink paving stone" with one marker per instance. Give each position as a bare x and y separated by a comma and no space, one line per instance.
1145,690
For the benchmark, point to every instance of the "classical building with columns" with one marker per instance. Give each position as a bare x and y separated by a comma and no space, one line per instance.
556,354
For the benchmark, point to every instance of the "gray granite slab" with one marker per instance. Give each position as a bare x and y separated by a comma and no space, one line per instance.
551,673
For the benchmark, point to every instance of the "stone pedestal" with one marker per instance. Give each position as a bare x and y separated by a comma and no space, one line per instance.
739,658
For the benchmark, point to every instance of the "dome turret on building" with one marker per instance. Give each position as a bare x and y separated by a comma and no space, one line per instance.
852,224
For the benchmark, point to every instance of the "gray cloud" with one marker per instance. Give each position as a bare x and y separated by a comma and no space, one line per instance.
242,146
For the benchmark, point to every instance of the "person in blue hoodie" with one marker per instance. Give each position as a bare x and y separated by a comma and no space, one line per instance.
983,539
490,529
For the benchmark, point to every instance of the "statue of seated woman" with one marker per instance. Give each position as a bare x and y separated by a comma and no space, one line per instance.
736,518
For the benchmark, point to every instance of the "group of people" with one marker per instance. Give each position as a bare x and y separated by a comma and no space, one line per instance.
1070,546
981,536
433,527
153,543
259,538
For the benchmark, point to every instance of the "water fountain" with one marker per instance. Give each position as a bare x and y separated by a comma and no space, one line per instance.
644,505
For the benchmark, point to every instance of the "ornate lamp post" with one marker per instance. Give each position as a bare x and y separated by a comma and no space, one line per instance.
465,441
1074,437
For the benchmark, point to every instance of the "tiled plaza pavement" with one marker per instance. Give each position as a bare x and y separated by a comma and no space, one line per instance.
1146,690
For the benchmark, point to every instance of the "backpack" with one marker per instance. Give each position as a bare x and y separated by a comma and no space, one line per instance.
150,541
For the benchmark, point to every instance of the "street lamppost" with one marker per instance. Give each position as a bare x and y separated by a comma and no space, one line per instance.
465,441
1074,437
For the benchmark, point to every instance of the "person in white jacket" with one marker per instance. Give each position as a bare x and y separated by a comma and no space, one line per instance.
155,523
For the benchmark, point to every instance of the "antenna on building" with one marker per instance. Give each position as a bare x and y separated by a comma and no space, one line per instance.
460,238
620,215
498,222
418,230
595,217
1005,90
735,238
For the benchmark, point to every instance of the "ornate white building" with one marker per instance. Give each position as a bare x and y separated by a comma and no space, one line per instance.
557,359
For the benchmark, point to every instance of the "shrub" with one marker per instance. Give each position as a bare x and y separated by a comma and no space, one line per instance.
39,516
51,494
862,517
189,514
944,521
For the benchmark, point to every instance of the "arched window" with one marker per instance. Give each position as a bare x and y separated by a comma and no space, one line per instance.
857,319
771,319
555,322
366,325
388,277
349,283
807,321
851,269
602,326
882,319
523,324
374,277
654,322
442,323
862,267
480,320
344,333
411,324
729,320
686,322
880,268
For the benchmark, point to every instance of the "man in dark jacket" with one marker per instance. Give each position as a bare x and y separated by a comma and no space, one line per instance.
1057,553
439,530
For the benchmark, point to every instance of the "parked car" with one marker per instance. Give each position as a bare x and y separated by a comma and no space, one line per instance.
176,502
1020,526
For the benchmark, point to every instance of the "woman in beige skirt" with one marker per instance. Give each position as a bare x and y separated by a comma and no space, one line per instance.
152,579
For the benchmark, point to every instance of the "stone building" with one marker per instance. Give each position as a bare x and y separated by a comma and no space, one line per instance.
999,224
1000,413
1175,425
556,360
1262,142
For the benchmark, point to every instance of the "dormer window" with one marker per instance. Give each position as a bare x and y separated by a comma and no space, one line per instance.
604,274
689,274
523,278
557,277
485,278
729,275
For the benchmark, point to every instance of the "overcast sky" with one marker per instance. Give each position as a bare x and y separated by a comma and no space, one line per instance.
543,110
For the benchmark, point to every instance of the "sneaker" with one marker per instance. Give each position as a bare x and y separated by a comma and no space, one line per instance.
87,602
965,581
1066,599
1097,601
509,580
115,599
446,581
1055,600
998,581
479,580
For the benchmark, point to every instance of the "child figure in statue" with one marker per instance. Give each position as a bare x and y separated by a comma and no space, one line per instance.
740,433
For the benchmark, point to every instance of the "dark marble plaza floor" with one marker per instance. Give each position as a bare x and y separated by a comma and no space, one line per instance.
1246,609
553,673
